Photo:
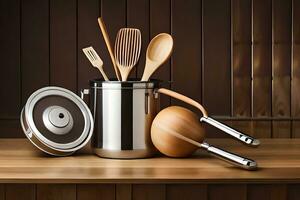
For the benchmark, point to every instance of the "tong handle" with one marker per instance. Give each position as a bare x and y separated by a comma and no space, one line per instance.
232,158
234,133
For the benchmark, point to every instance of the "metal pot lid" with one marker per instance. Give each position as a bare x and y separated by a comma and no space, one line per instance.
58,119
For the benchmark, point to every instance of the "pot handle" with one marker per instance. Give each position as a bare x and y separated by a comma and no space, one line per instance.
184,99
234,133
84,92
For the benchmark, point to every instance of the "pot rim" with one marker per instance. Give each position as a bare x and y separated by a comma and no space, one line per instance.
132,83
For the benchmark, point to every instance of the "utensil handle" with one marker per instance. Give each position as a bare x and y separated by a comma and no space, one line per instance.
230,157
108,45
240,136
184,99
103,73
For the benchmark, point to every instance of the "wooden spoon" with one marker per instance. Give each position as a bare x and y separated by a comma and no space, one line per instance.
158,51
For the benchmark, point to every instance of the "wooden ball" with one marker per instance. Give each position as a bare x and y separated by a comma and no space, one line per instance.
182,121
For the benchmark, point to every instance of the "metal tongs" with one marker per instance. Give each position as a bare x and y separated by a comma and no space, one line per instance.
234,133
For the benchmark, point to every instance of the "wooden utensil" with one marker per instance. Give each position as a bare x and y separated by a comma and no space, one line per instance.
108,45
95,60
158,51
177,132
127,50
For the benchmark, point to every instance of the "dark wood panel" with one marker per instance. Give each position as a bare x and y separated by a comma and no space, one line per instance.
10,129
96,191
241,21
262,60
63,44
281,129
173,191
262,65
295,107
138,17
262,21
293,191
2,192
56,192
241,81
230,192
282,32
114,15
267,192
262,80
186,59
160,14
34,46
261,129
295,129
148,191
282,21
186,192
216,57
20,191
88,34
42,41
295,83
123,192
281,96
241,57
10,59
296,25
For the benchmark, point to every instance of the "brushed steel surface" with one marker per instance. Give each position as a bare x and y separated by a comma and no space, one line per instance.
123,114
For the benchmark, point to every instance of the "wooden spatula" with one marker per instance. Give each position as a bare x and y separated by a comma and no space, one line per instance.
127,50
158,51
107,42
95,60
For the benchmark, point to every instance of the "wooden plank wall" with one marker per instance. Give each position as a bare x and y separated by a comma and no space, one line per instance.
239,58
149,191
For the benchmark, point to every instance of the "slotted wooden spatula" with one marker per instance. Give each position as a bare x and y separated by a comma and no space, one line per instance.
95,60
127,50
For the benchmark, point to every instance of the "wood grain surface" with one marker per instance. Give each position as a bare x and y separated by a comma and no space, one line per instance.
26,173
278,160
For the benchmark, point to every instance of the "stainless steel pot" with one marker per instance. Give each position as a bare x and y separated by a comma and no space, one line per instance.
57,121
123,113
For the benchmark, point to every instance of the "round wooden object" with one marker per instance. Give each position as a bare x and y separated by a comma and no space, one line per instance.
179,120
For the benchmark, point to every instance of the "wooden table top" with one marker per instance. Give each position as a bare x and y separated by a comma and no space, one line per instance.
278,160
